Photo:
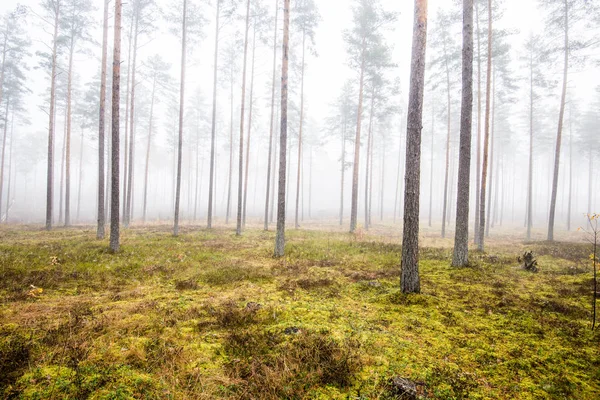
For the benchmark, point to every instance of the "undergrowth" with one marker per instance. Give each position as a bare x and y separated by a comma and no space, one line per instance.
210,315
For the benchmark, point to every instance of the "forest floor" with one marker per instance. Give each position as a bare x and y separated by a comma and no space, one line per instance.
210,315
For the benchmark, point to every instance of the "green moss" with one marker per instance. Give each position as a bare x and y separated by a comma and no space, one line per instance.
172,318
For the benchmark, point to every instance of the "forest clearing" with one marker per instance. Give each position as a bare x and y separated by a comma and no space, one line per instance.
210,315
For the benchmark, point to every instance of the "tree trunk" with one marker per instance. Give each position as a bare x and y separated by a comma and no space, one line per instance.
478,162
267,198
80,176
445,199
460,257
114,205
101,183
431,161
368,163
126,150
486,139
238,230
3,152
343,159
570,196
149,145
213,128
410,282
560,127
10,161
486,226
280,237
249,128
296,224
229,180
50,170
354,206
68,144
398,178
181,108
275,147
62,174
129,193
530,174
590,179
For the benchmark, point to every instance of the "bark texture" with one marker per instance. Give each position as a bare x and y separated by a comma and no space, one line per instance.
116,88
101,183
410,282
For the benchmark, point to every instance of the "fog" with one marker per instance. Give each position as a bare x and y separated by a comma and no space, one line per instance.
24,113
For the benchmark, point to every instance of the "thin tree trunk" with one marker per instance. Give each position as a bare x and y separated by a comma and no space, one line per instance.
3,152
560,127
10,161
446,197
460,256
238,231
267,197
481,231
50,170
80,176
590,179
355,170
398,176
228,213
68,144
126,150
409,281
529,222
310,164
181,108
62,174
114,212
478,162
275,152
129,193
486,226
569,206
249,128
149,145
296,224
368,163
431,162
101,183
280,237
213,128
382,183
343,159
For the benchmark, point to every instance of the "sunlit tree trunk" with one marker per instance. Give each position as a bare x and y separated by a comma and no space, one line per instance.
280,237
409,281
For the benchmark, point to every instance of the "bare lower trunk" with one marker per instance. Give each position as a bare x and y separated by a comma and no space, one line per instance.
480,242
280,238
148,146
114,206
126,150
267,197
491,189
50,170
530,174
62,175
560,127
296,224
129,193
101,120
431,163
398,177
181,109
343,160
368,163
461,236
478,162
409,281
214,122
80,176
446,197
238,230
68,145
355,170
249,129
229,180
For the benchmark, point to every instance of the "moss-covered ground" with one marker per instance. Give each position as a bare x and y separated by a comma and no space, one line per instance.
210,315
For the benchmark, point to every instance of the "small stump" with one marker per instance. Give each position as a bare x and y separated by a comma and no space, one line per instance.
528,261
